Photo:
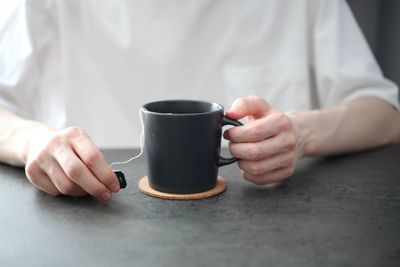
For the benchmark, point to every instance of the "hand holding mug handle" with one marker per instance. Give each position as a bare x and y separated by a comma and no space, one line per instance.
225,161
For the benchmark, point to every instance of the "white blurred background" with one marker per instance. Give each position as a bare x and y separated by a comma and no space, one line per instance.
379,20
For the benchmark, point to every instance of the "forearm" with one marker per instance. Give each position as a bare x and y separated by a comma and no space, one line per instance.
15,134
361,124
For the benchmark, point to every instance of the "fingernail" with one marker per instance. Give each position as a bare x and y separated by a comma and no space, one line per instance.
106,196
226,135
115,187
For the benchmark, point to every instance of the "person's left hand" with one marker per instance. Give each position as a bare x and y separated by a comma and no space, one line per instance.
267,146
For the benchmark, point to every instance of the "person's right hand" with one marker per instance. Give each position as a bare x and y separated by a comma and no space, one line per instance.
68,162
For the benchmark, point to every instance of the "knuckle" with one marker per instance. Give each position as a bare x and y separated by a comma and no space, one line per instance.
288,161
283,122
245,100
255,169
256,131
55,140
90,158
287,172
74,131
253,131
52,191
254,152
31,168
241,102
292,156
73,170
39,159
55,143
275,116
249,177
67,188
31,172
256,98
290,143
98,191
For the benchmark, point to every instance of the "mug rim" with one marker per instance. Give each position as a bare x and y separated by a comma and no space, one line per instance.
146,110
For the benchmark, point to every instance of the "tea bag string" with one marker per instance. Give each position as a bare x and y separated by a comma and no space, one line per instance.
141,145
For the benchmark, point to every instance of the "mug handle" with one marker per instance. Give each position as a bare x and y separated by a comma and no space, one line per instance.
225,161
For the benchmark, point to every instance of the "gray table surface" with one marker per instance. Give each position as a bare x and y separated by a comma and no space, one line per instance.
340,211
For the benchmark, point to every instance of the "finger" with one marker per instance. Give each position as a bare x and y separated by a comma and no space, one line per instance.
257,130
95,161
62,182
74,168
248,106
275,176
263,149
260,167
40,180
254,131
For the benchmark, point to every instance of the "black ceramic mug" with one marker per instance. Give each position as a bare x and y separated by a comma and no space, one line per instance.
182,144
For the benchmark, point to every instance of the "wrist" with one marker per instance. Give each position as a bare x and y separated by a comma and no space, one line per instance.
15,144
33,131
305,124
16,135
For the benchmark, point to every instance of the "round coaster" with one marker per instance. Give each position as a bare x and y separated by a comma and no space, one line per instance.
144,187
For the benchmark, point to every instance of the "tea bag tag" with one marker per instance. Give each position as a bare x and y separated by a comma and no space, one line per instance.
120,175
121,178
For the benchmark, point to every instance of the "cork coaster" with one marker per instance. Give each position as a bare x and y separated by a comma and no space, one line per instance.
144,187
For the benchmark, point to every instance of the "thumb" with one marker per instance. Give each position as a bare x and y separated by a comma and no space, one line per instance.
248,106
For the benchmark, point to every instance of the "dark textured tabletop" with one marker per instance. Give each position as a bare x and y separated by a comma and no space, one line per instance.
338,211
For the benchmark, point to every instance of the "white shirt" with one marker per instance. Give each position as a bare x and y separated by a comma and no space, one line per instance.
94,63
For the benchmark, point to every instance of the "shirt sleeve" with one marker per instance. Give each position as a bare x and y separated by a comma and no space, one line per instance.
344,66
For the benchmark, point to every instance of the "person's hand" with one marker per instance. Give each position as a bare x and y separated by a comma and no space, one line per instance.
267,146
67,162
